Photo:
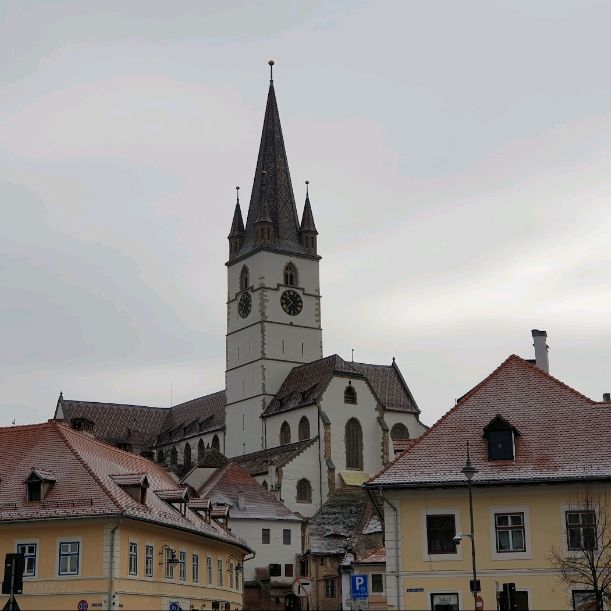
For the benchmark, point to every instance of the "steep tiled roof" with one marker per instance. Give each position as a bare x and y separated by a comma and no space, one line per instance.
225,486
259,462
555,423
86,472
377,554
305,384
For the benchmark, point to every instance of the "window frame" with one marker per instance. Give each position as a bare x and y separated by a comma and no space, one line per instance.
266,536
182,565
441,533
149,560
510,528
330,586
69,541
209,569
303,429
34,556
286,536
381,576
169,566
436,557
132,563
195,568
302,484
219,569
350,394
581,527
510,555
285,433
581,591
359,449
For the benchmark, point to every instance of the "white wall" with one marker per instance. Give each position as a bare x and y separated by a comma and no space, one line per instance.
273,424
307,466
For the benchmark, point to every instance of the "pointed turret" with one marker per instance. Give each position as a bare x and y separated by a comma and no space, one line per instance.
272,201
236,234
308,230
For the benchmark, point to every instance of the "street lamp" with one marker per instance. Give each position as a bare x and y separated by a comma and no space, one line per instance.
469,471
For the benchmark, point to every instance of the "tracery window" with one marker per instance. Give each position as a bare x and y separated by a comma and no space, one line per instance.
285,433
354,444
304,491
304,429
216,444
290,274
399,431
201,448
187,455
174,456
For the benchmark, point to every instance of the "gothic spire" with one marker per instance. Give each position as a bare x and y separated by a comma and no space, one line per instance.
272,192
307,219
237,225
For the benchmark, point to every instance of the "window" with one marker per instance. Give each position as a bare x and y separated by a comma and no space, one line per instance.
29,552
329,588
581,530
187,455
133,558
34,490
275,570
216,444
231,575
244,278
304,429
501,436
148,560
69,552
286,536
160,456
377,583
584,600
264,484
219,566
288,570
444,602
290,275
399,431
350,394
182,558
265,536
285,433
354,445
173,457
322,561
440,531
169,566
201,448
509,532
209,569
195,568
304,491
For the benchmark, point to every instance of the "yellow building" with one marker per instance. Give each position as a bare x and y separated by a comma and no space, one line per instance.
542,452
104,526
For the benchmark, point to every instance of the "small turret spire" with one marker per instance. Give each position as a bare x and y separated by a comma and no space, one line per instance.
308,230
236,233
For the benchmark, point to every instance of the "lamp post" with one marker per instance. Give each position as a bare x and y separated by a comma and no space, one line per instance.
469,471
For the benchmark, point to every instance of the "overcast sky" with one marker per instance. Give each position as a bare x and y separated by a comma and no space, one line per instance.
458,154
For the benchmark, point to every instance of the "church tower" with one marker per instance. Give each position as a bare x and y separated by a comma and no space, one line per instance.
273,301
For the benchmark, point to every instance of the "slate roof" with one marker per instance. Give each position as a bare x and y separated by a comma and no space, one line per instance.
257,463
272,191
85,470
305,384
225,485
556,424
142,425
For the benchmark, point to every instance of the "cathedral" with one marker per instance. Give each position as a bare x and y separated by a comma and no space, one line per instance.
302,424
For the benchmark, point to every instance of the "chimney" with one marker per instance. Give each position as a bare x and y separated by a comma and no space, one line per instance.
241,502
607,397
541,348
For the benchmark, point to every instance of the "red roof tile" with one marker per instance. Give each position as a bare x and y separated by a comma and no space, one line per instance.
259,462
564,435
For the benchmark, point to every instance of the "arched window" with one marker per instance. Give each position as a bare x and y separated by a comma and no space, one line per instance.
173,457
201,448
350,394
187,455
244,278
399,431
160,456
304,429
304,491
216,444
285,433
290,274
264,484
354,444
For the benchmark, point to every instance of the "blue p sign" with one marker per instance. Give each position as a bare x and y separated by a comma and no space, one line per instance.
174,606
359,586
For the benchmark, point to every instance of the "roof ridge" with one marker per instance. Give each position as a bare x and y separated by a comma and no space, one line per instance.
216,392
113,403
62,430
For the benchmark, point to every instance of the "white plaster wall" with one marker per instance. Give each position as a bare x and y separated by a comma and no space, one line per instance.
273,424
244,427
274,553
414,427
332,403
307,466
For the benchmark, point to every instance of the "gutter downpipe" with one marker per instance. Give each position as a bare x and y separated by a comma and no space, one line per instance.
397,576
111,562
319,458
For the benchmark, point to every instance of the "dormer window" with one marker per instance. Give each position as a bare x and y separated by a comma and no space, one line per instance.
38,484
135,484
501,439
177,499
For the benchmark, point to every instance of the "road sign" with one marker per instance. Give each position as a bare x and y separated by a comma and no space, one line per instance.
359,587
83,605
174,606
302,587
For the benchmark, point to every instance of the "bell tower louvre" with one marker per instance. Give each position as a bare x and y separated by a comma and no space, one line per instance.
273,301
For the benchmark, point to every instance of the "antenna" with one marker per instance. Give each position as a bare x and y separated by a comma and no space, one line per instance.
353,355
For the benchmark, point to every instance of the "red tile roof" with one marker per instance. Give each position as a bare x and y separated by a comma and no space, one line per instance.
377,554
87,473
225,486
257,463
564,436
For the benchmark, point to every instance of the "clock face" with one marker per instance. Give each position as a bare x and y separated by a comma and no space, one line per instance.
244,305
291,302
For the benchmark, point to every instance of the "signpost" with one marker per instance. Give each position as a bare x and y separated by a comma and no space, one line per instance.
302,587
359,587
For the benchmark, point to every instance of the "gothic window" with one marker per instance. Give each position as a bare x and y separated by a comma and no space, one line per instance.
264,484
285,433
160,456
244,279
216,444
399,431
187,455
354,445
304,491
201,448
350,394
173,457
304,429
290,275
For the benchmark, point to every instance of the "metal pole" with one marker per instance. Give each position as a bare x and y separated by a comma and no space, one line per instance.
11,600
472,547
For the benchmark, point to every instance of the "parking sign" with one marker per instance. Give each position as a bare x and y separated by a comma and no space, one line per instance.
359,586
